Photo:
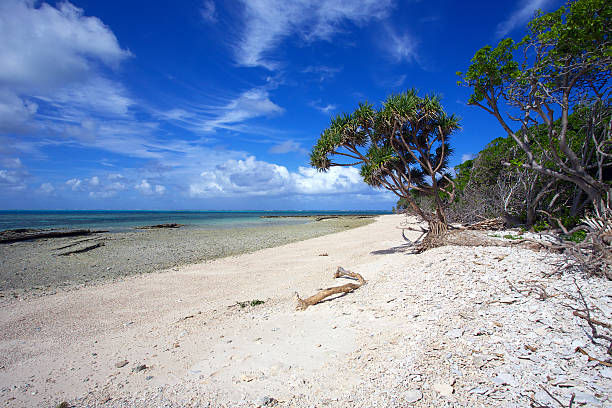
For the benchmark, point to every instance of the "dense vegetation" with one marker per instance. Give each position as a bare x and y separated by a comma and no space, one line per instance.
551,95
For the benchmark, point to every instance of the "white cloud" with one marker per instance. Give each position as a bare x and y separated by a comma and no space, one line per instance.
287,146
401,47
74,184
323,71
250,178
46,188
13,179
147,189
326,109
209,11
250,104
467,156
520,16
53,55
336,180
269,22
107,189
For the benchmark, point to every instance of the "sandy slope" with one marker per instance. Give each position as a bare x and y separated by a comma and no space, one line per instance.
445,328
59,347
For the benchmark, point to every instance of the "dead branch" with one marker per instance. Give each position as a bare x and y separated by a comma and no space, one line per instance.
536,404
488,224
302,304
585,314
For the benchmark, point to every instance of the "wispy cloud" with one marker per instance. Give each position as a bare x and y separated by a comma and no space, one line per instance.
287,146
401,47
323,72
268,22
520,16
250,104
323,108
209,11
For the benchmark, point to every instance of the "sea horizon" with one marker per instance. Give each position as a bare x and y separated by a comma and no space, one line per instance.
123,220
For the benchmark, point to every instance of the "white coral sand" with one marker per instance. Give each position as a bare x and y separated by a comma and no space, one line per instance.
454,326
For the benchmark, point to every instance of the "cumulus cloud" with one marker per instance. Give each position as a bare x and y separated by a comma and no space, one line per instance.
147,189
53,54
269,22
46,188
74,184
98,187
13,180
251,177
520,16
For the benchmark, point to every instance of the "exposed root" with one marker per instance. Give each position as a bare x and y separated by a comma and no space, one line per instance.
302,304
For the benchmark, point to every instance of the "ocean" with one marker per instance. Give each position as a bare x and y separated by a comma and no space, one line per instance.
117,221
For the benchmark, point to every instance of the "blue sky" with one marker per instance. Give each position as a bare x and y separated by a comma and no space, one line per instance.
211,104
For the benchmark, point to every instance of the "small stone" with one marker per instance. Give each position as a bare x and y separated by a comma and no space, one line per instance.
268,402
444,389
139,368
247,378
149,377
454,333
121,363
584,398
505,379
412,396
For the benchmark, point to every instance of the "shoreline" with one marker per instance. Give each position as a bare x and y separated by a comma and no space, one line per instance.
38,267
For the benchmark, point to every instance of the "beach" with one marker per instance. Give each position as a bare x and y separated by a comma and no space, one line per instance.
37,267
454,326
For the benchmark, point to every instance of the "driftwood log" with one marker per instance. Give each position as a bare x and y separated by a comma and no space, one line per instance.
302,304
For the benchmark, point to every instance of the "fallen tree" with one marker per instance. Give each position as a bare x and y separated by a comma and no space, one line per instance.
302,304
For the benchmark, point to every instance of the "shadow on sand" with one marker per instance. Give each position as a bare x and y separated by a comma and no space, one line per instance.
401,248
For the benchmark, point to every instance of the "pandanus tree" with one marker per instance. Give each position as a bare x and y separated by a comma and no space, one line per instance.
402,146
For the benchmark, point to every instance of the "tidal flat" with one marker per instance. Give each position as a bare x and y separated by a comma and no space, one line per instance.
38,267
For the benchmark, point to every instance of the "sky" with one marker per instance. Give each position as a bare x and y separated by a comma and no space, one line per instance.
215,105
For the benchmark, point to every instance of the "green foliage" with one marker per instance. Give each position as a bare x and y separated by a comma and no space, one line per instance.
510,236
541,225
254,302
398,145
576,236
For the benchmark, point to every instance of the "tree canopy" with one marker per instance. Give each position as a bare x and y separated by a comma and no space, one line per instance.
561,67
401,146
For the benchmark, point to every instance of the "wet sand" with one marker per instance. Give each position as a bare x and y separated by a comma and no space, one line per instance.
34,268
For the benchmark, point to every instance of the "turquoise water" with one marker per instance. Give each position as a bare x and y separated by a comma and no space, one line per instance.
125,220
